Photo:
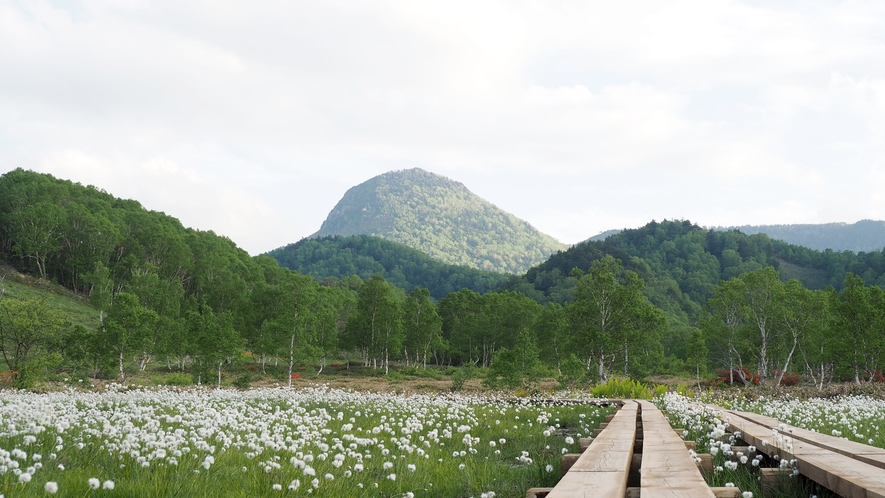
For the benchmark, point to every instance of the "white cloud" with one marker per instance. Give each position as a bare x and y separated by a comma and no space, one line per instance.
253,119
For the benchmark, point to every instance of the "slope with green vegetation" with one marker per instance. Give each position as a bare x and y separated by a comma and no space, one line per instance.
75,309
441,218
682,263
340,257
865,235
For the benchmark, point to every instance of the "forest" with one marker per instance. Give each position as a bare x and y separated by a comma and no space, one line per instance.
441,218
339,257
669,297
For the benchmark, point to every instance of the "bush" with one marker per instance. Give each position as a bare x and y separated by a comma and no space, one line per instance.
462,375
244,381
621,387
175,379
724,376
790,379
429,373
572,373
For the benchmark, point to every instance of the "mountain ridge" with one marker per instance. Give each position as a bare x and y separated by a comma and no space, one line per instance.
442,218
862,236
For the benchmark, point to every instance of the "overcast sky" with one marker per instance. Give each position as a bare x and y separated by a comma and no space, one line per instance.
253,118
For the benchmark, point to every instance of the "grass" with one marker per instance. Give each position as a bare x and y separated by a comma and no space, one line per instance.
74,306
389,445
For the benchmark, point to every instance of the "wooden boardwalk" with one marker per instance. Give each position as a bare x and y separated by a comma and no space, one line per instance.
847,468
637,454
637,447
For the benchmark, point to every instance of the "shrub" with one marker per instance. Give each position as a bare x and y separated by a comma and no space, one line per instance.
462,375
176,379
789,379
622,387
724,376
572,373
244,381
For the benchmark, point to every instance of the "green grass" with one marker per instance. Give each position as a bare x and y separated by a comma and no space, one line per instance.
75,307
411,437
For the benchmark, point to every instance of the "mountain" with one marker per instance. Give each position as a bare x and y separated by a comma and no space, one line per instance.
681,264
865,235
338,257
441,218
604,235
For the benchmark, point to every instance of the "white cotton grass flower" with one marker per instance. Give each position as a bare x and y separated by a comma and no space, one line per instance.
277,487
107,485
24,478
51,487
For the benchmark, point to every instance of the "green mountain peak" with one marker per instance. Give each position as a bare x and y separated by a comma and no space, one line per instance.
442,218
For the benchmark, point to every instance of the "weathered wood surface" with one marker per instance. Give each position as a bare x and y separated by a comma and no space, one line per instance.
859,451
667,468
602,469
849,469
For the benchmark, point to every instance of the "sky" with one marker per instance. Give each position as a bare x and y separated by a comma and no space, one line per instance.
253,118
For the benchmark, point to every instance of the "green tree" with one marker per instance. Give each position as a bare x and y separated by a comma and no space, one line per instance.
27,330
422,326
127,329
215,341
820,348
516,367
376,326
857,316
552,332
763,298
725,318
800,311
37,230
610,316
461,313
697,353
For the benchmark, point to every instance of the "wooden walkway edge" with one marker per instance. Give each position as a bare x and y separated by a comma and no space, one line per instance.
849,469
636,454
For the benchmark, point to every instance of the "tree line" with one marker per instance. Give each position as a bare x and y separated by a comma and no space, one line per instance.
193,302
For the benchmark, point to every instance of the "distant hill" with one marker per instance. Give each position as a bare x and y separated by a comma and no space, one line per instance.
681,264
339,257
865,235
441,218
604,235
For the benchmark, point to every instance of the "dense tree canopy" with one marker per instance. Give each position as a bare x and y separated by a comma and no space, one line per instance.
668,297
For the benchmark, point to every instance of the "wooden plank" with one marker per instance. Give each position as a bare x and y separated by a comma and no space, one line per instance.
859,451
667,469
819,458
602,468
843,475
590,484
613,448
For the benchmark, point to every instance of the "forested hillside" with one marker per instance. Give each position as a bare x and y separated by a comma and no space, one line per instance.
663,298
682,264
339,257
865,235
442,219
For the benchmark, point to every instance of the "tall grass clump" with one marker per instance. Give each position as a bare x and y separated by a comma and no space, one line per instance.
623,387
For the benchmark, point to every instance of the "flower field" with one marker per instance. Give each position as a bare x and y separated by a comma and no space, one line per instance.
313,441
858,418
